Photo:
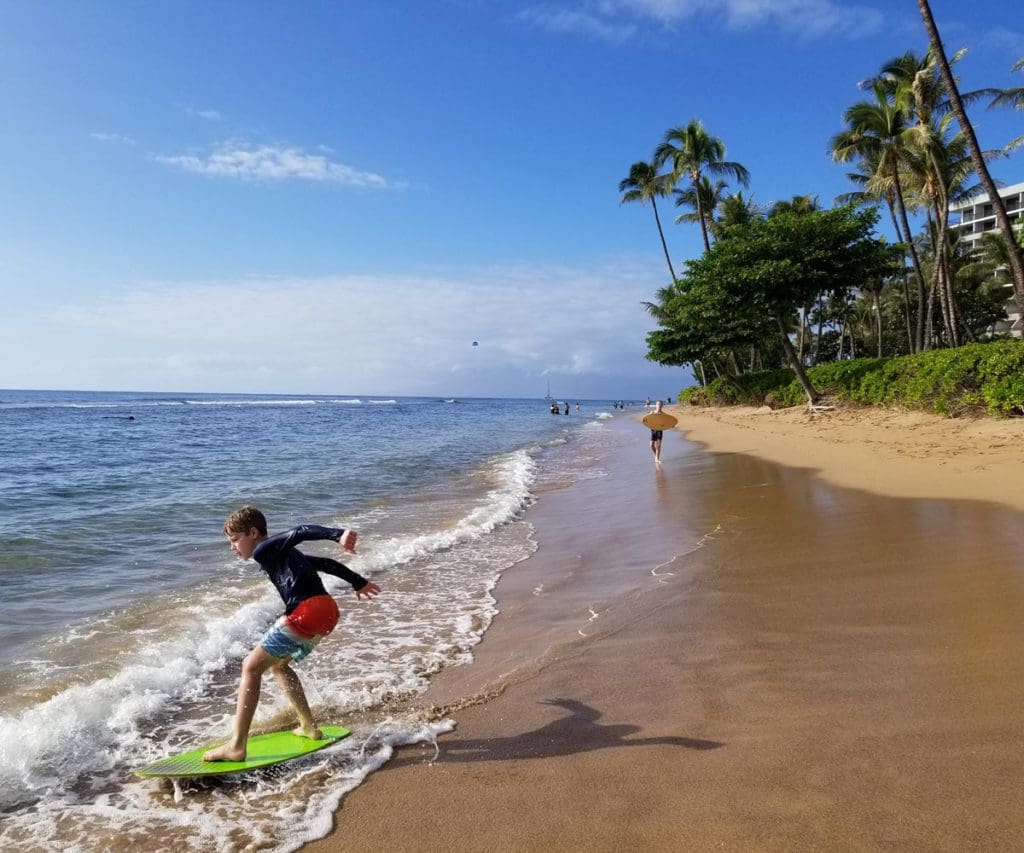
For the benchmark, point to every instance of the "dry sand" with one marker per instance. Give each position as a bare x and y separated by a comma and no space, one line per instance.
890,452
728,653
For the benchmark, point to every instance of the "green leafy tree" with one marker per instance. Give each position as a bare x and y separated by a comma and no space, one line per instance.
748,286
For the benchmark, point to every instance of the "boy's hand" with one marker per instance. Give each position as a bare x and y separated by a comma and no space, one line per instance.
348,541
368,591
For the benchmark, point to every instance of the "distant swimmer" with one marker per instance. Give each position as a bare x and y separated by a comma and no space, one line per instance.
310,615
554,409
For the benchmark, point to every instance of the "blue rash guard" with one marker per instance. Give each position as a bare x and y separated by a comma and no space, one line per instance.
294,573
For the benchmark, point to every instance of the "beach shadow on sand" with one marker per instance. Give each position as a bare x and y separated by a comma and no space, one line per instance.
569,735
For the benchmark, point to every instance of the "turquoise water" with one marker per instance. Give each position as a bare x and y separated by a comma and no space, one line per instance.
125,616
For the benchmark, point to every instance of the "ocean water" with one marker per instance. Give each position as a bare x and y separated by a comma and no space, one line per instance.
125,617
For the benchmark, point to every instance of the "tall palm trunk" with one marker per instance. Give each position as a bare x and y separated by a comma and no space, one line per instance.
661,234
930,325
821,328
947,282
957,105
938,232
877,299
701,215
903,278
901,208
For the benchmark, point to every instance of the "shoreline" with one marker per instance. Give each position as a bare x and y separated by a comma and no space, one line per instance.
735,654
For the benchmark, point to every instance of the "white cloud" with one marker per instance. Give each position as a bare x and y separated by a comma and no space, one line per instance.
577,22
112,137
1005,40
616,20
585,328
271,164
209,115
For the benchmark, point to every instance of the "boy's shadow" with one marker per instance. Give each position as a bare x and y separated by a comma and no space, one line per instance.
577,732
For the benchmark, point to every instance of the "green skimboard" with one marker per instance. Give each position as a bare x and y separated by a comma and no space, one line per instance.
261,751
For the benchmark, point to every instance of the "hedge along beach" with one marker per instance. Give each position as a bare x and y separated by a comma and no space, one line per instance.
807,665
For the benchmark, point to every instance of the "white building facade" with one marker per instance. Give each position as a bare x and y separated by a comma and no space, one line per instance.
973,217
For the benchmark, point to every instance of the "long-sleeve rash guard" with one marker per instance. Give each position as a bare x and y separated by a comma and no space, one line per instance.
294,573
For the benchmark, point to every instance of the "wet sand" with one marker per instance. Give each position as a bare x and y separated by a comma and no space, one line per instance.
729,654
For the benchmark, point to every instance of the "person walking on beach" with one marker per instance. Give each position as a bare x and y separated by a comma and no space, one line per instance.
656,436
310,615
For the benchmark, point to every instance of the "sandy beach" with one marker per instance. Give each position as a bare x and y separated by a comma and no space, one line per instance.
799,633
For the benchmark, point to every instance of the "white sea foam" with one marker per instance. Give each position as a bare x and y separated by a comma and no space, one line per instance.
172,688
515,473
251,402
436,608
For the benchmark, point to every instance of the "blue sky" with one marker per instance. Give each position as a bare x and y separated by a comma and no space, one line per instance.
329,197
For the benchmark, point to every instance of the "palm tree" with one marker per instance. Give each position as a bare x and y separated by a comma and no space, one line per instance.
645,184
734,210
876,133
692,152
1016,261
799,204
937,161
879,186
710,196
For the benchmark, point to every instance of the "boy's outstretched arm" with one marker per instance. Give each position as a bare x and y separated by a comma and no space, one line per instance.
363,587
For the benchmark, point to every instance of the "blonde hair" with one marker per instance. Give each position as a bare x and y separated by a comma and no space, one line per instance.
244,520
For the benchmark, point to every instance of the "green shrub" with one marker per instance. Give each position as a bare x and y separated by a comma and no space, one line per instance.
976,378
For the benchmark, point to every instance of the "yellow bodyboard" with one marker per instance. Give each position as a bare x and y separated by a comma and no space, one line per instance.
659,420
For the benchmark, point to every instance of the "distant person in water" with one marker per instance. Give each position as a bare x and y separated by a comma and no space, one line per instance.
310,615
656,436
566,407
554,408
577,407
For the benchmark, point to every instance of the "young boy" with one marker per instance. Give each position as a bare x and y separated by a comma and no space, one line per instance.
310,615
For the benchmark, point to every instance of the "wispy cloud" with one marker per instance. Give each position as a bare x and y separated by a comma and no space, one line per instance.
577,22
361,334
209,115
1005,40
272,164
618,20
115,138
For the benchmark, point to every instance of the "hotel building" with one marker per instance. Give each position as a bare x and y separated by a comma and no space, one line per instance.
973,217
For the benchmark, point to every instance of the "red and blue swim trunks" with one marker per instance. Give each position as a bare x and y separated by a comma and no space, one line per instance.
296,634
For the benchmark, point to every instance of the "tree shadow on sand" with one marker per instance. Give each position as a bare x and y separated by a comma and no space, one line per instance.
578,732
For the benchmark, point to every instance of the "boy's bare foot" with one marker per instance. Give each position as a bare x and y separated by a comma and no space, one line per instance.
313,733
224,753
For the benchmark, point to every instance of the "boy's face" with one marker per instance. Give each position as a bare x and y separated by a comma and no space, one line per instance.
243,544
